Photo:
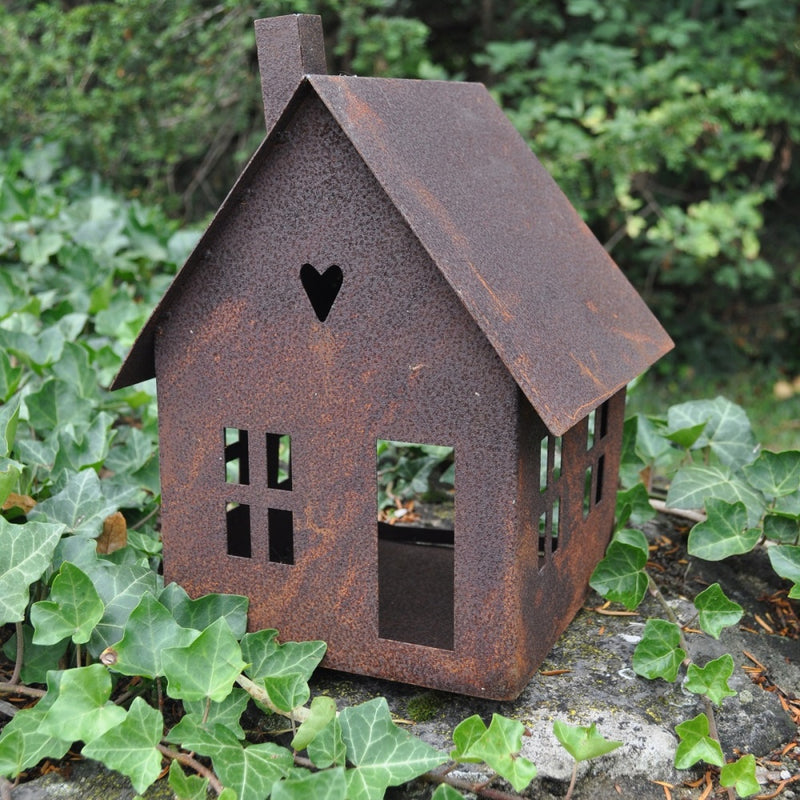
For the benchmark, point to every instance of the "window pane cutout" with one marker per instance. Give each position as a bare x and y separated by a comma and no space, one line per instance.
281,536
237,466
549,462
416,548
237,524
279,461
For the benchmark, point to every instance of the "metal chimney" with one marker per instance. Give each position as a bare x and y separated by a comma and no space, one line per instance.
289,48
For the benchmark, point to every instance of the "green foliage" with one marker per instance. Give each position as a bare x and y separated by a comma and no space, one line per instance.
498,745
165,97
705,452
620,576
583,742
712,679
130,746
25,554
659,654
73,610
741,775
409,471
696,744
383,754
716,611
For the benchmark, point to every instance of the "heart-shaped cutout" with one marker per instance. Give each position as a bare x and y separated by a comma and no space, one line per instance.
321,289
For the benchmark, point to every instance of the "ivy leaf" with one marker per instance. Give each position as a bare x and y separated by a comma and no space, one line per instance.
633,505
499,747
187,787
741,775
785,560
9,417
10,471
789,504
727,430
659,654
631,464
583,743
200,613
73,610
716,611
252,770
39,659
205,668
10,377
712,679
282,669
226,713
696,745
775,474
130,747
268,658
74,369
724,533
782,527
620,576
84,445
633,537
328,747
322,712
23,743
120,588
82,708
465,735
686,437
328,785
694,485
81,505
148,629
54,405
25,553
384,754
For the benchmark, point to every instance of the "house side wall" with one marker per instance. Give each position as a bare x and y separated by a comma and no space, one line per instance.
554,582
397,357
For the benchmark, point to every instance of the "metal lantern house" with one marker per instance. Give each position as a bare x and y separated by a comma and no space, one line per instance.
393,264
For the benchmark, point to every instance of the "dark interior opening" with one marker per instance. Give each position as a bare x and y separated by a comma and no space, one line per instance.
598,492
281,536
237,520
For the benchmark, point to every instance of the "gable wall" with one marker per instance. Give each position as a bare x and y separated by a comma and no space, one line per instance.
397,358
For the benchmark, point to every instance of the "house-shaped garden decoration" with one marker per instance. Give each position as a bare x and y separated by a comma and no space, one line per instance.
393,265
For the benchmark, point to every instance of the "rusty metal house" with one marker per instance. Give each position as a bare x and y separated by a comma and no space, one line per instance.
393,264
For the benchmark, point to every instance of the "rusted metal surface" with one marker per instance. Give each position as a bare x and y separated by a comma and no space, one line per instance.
289,48
392,266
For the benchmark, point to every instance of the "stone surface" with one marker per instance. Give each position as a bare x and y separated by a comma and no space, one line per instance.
590,680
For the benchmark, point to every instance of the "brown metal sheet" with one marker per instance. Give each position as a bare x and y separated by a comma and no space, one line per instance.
289,47
566,322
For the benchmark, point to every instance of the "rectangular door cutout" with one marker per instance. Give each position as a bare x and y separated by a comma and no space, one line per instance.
281,536
237,466
416,547
237,523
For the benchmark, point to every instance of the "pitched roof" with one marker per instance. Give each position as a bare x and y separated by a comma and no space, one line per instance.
566,322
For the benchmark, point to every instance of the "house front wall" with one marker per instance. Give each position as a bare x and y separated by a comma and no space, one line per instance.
390,354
